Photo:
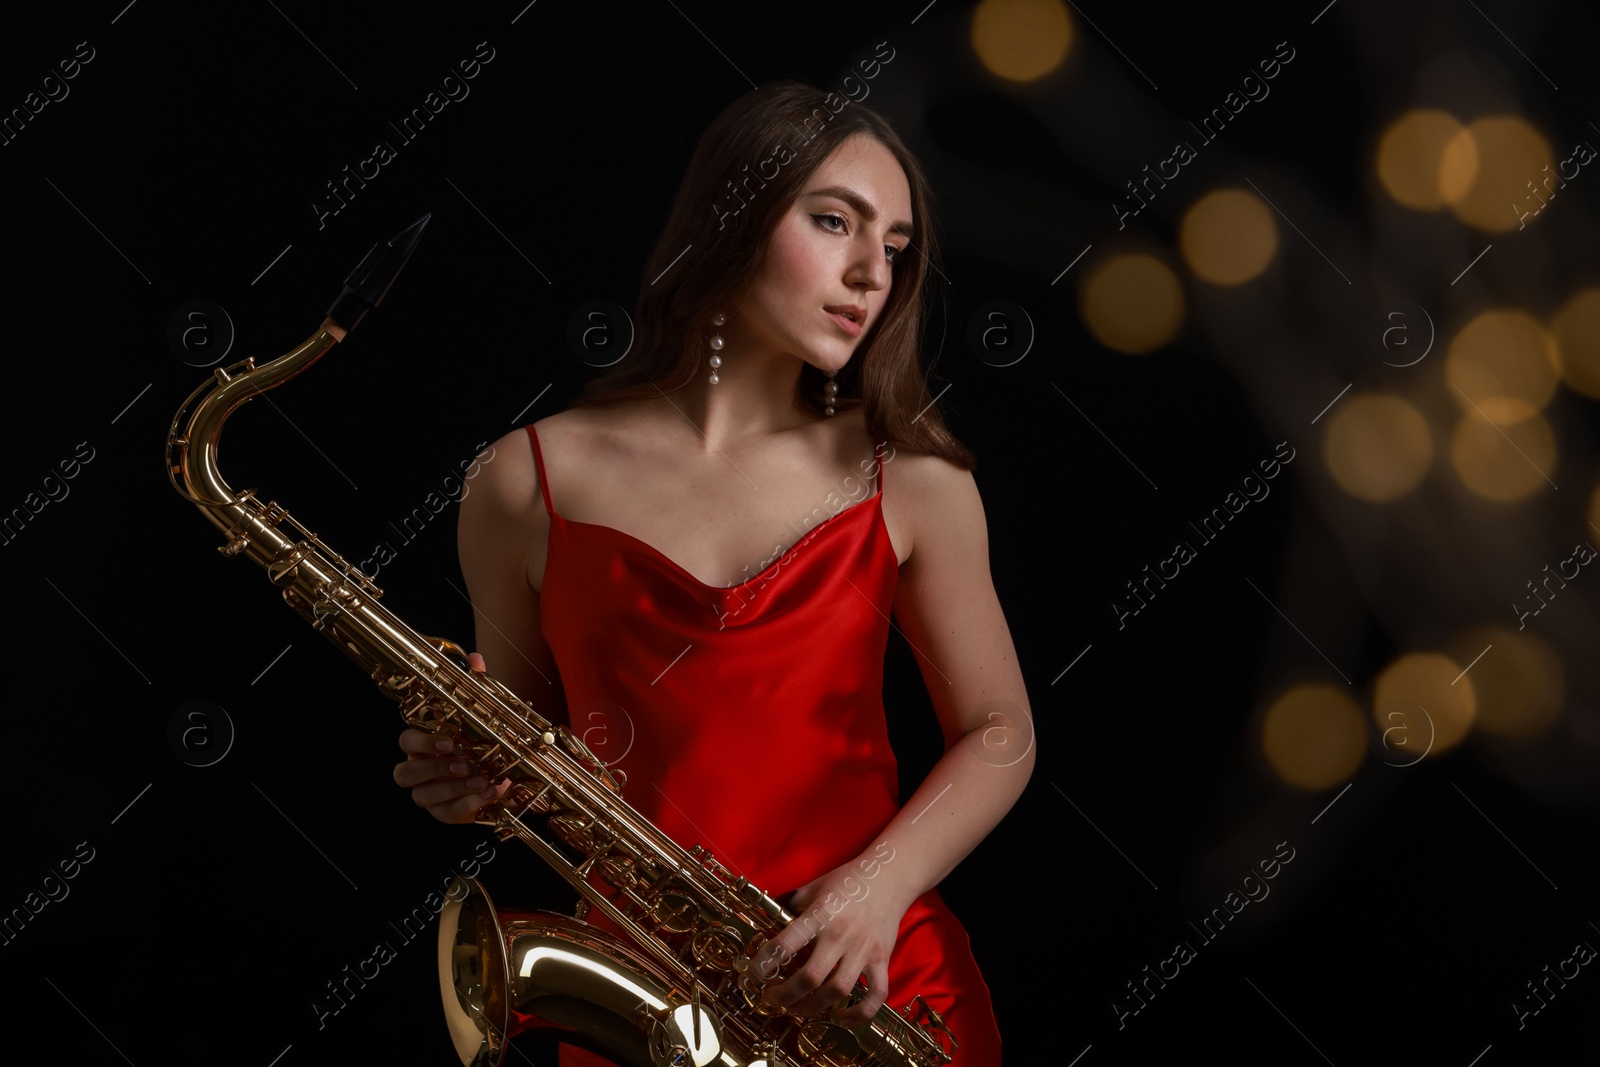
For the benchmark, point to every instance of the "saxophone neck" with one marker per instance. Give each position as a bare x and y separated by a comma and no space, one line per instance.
192,440
192,443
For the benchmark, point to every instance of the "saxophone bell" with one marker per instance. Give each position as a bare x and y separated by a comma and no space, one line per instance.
504,974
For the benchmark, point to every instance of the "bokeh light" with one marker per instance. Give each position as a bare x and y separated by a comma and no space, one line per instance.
1228,236
1132,303
1377,447
1503,463
1313,736
1518,682
1576,328
1425,697
1021,40
1510,154
1504,364
1427,159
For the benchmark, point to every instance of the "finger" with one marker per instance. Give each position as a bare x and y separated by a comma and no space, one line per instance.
836,972
826,980
460,810
437,791
466,809
476,662
777,951
877,993
421,743
419,769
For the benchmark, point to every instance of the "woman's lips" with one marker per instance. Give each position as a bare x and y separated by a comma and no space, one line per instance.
845,323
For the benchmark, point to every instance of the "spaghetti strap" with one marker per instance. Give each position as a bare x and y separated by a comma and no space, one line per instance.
538,462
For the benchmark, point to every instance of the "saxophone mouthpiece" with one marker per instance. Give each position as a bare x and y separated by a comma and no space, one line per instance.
370,281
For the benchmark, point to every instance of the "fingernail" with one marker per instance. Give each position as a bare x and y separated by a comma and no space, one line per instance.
445,746
488,794
459,768
477,783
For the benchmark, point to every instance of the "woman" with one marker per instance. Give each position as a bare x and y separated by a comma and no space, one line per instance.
651,562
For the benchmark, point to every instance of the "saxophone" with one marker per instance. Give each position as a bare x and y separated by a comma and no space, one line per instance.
682,985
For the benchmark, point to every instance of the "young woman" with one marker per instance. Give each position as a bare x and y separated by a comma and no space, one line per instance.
676,558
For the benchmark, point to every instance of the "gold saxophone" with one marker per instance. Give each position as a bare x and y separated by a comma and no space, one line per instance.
682,987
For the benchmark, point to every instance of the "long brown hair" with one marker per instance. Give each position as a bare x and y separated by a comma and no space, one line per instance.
794,127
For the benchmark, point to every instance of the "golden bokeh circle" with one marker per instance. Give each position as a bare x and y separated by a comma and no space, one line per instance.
1021,40
1510,154
1503,463
1313,736
1377,447
1424,161
1132,303
1415,694
1517,680
1504,364
1228,236
1576,328
1458,167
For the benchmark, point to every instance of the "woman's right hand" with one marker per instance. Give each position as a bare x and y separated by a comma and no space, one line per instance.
440,778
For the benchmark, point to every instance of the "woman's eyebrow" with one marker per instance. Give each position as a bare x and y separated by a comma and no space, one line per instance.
864,209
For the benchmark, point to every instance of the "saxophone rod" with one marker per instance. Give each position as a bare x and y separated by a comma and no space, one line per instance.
553,771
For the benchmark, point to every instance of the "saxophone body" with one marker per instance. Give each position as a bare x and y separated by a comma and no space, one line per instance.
680,985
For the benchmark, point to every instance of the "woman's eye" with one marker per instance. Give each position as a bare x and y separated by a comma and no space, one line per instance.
891,253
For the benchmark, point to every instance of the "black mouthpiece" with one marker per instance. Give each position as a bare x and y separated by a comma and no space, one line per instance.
370,281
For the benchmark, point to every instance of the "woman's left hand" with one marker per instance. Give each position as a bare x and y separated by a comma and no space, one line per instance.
851,923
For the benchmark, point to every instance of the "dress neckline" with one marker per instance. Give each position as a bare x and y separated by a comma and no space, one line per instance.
875,500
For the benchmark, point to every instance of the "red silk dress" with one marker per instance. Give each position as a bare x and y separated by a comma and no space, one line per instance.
749,719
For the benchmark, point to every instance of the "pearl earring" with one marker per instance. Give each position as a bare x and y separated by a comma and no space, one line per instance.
829,391
716,345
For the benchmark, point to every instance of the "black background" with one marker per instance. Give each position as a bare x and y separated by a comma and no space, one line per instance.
220,900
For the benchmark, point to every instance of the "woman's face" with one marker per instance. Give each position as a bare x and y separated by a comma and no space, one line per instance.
832,251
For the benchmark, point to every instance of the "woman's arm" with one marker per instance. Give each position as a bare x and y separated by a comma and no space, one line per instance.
502,523
501,538
947,608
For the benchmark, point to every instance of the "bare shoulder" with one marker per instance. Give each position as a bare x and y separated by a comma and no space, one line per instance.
505,481
925,471
935,503
565,438
580,441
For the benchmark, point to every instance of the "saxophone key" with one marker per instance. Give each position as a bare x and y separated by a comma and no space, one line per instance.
717,948
675,912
